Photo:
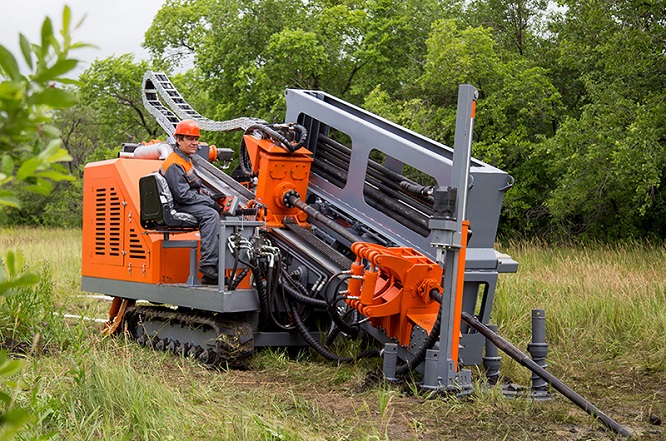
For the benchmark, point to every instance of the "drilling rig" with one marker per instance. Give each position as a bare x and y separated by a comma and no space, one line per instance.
336,224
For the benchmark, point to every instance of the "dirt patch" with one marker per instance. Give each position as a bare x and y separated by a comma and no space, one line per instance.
368,405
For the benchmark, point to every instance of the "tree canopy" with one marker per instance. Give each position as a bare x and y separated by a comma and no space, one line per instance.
571,102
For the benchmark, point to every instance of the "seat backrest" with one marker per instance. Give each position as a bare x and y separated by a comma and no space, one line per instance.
157,207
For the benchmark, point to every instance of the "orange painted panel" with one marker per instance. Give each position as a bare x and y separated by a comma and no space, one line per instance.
115,246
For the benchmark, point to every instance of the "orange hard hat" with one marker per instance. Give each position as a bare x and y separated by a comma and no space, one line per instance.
187,127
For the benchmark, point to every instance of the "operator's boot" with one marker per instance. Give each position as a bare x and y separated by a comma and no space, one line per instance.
210,275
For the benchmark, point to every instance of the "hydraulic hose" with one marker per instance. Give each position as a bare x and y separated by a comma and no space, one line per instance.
305,300
321,350
234,283
273,131
557,384
333,333
244,160
341,324
261,291
418,190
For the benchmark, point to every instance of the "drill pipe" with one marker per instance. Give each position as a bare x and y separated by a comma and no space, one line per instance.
346,151
526,361
379,201
390,179
295,201
390,182
337,154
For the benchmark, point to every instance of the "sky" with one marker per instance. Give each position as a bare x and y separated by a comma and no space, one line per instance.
115,27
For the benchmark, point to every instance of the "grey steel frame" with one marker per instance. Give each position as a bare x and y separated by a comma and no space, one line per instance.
320,112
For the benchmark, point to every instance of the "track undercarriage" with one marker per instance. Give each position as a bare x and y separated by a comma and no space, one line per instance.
214,341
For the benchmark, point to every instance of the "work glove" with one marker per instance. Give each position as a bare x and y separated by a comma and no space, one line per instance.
217,197
217,207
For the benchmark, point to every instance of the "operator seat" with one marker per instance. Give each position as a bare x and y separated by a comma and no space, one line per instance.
158,214
157,207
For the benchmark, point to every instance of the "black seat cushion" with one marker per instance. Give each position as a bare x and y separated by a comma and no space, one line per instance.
157,207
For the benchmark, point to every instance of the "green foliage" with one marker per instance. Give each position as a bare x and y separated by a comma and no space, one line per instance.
31,152
28,312
13,275
571,95
12,418
13,279
111,88
250,51
31,155
60,208
515,24
610,155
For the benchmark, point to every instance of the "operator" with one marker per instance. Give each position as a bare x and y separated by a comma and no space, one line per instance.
191,197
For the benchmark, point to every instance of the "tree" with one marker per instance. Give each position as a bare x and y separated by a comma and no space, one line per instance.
610,154
515,23
518,108
248,52
111,88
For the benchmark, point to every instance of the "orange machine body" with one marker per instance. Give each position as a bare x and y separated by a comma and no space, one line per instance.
279,171
115,246
395,290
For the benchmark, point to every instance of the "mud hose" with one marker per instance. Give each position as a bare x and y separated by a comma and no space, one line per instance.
321,350
557,384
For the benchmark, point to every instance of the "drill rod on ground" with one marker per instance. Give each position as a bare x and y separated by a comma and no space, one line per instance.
526,361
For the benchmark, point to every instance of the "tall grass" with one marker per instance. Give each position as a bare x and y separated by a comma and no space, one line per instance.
605,309
607,302
57,248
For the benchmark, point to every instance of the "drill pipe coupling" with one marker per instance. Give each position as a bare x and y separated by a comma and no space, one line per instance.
425,287
288,198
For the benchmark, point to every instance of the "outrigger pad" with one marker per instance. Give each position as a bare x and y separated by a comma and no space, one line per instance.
157,207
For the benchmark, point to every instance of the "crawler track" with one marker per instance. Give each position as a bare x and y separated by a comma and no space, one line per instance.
206,337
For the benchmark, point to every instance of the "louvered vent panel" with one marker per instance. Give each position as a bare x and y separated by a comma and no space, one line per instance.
108,228
136,249
114,223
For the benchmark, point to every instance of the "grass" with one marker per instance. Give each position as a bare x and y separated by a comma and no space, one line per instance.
606,315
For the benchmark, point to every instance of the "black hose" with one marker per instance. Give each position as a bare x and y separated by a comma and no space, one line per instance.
234,283
244,160
261,291
321,350
302,135
305,300
273,131
231,286
424,193
333,312
333,333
